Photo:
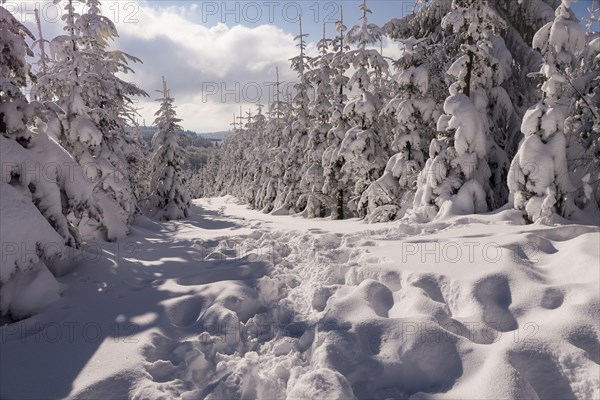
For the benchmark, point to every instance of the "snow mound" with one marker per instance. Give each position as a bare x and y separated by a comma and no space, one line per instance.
321,384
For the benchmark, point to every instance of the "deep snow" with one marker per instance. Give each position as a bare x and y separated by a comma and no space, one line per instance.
233,303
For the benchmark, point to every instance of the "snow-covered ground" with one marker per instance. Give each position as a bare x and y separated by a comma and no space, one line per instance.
232,303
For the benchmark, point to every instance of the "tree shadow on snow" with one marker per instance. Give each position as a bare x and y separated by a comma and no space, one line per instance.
209,219
119,294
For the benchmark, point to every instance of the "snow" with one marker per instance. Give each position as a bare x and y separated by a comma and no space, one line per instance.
234,303
470,199
459,67
217,301
538,171
417,76
46,173
27,285
454,177
566,35
29,292
467,121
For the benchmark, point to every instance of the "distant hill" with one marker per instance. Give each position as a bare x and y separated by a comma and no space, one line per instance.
196,146
192,138
216,136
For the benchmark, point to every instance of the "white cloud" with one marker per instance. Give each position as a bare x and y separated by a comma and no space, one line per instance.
195,58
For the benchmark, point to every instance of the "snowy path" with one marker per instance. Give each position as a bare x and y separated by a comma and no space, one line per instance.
236,304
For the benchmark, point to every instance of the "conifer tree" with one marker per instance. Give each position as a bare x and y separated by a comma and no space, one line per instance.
313,179
458,178
364,148
415,112
539,179
94,108
43,189
276,148
582,126
332,161
297,130
168,184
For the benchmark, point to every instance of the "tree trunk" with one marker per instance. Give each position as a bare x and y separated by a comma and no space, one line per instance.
3,127
340,204
467,90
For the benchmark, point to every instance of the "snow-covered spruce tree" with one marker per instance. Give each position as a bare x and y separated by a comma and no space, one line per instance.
539,178
242,182
71,125
19,121
236,159
332,161
459,178
364,149
522,20
260,160
506,108
311,185
83,80
435,48
111,102
250,164
247,187
276,146
15,110
415,112
582,127
209,174
229,164
280,161
194,182
218,189
138,157
242,143
44,60
167,184
297,132
42,187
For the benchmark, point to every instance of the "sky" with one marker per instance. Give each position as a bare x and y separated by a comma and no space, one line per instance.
218,55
